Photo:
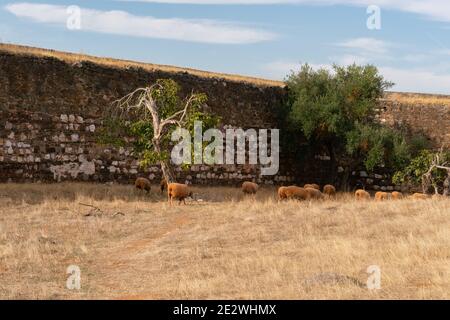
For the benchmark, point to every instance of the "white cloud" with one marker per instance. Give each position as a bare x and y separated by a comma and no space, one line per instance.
279,69
408,80
445,52
434,9
417,80
368,45
123,23
416,57
348,59
362,51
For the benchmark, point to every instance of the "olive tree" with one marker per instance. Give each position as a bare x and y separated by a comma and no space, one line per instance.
337,109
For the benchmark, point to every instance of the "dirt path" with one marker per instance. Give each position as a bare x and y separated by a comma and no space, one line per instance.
113,264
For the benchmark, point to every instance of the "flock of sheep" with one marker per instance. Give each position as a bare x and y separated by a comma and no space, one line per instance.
180,192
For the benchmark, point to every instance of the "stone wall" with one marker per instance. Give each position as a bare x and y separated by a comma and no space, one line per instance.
51,110
431,119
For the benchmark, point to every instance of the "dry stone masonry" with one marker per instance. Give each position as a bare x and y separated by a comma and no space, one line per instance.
51,112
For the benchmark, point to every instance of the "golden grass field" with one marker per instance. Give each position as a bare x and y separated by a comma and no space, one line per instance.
226,247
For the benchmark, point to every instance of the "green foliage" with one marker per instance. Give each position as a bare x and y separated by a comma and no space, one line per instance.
338,107
417,143
166,95
381,146
413,172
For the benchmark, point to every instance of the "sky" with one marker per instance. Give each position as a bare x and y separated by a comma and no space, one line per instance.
408,40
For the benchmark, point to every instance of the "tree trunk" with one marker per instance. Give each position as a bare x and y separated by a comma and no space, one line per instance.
425,185
345,180
349,166
447,185
166,169
334,165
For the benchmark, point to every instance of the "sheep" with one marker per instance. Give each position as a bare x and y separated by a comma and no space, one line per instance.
329,190
178,191
312,185
380,196
314,193
163,184
292,192
396,195
419,196
361,194
281,193
142,184
249,187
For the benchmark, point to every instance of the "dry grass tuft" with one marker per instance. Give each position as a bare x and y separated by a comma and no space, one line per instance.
226,247
419,98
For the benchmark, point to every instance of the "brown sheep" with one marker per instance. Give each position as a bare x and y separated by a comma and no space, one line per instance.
329,190
292,192
380,196
396,195
281,193
178,191
312,185
163,184
419,196
314,193
142,184
249,187
362,194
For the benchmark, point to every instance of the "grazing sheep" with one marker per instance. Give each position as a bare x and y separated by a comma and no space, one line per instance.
142,184
362,194
281,193
178,191
292,192
329,190
396,195
380,196
163,184
419,196
312,185
249,187
314,193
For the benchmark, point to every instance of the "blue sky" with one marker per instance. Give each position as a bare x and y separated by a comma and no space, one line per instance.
263,38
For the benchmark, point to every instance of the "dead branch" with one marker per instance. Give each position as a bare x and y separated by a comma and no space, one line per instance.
438,162
118,214
95,211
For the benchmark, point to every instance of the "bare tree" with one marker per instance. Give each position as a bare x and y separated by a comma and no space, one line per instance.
159,105
428,179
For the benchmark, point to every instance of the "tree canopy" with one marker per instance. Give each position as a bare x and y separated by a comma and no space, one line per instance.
338,108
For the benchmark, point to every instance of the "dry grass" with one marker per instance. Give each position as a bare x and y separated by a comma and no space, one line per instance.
123,64
419,98
225,247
